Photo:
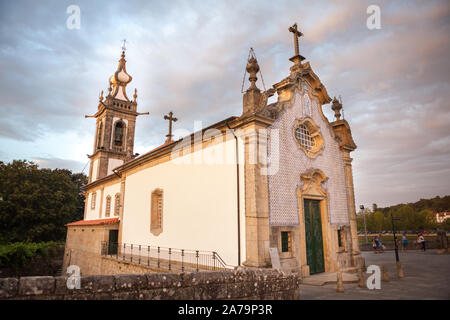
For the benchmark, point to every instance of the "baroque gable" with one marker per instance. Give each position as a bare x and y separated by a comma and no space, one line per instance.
298,103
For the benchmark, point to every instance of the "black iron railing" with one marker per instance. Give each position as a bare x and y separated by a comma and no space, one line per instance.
162,258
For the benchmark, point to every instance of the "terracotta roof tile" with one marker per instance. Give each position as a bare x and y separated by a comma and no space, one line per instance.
93,222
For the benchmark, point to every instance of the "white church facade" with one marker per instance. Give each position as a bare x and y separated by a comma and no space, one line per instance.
277,178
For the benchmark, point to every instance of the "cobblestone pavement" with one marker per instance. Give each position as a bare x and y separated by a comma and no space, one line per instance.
427,276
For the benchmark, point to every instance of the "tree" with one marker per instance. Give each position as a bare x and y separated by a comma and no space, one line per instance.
431,223
379,223
444,225
37,203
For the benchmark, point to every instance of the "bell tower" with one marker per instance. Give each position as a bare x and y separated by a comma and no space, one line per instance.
115,125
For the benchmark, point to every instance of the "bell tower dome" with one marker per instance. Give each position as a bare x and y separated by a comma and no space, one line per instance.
116,119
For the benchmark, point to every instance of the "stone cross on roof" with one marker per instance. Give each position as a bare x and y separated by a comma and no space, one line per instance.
297,58
171,119
296,34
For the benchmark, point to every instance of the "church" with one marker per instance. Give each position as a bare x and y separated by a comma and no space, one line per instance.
273,184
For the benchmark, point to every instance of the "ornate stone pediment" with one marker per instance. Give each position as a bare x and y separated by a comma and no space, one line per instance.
312,183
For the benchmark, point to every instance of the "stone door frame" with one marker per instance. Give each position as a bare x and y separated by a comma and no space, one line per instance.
312,190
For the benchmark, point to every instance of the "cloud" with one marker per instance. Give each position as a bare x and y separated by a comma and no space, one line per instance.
57,163
189,57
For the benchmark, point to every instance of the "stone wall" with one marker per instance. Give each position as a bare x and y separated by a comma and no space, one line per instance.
117,266
84,246
216,285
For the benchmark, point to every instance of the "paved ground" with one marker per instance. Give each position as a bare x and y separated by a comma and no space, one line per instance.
427,276
321,279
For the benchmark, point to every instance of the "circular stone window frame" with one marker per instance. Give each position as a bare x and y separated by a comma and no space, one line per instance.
314,130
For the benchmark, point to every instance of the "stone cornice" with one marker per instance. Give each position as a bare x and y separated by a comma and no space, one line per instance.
107,151
253,118
343,135
99,181
103,107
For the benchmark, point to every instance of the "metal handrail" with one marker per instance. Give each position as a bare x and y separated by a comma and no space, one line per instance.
164,258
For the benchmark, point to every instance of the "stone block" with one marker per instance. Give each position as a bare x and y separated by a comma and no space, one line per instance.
239,290
181,293
8,287
97,284
210,292
102,296
61,286
163,280
29,286
125,295
206,277
149,294
80,296
130,282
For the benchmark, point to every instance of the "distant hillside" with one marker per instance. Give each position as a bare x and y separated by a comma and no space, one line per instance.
436,204
410,216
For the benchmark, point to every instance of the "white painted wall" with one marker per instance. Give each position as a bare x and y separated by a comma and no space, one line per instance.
110,191
92,214
199,205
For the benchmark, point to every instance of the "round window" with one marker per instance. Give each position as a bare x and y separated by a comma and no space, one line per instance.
303,136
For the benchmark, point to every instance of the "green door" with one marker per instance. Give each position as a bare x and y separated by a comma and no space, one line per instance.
314,243
112,243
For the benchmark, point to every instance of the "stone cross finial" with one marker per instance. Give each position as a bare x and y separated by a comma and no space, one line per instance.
297,58
296,34
171,119
123,46
336,106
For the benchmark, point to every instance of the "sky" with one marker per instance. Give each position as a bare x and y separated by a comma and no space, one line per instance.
189,57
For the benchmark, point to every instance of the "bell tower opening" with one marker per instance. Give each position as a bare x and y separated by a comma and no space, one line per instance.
118,134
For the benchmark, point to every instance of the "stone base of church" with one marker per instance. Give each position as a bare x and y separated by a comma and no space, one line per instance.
337,254
84,247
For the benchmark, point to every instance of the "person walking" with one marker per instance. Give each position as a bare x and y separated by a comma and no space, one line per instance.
380,244
404,242
374,245
421,241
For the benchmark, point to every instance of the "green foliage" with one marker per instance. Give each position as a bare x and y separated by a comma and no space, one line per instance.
37,203
436,204
19,254
413,216
445,225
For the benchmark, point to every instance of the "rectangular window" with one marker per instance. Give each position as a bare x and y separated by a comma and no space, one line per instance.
339,232
286,242
93,199
117,204
156,214
108,206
